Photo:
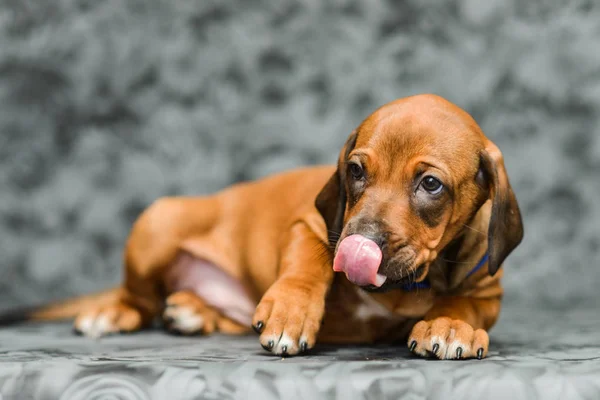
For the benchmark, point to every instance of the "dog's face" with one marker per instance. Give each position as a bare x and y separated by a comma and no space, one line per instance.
409,180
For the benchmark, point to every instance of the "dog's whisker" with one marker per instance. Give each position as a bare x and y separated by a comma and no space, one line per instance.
333,234
322,252
454,262
475,230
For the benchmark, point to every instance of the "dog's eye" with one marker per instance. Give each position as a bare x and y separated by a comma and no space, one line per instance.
432,185
356,171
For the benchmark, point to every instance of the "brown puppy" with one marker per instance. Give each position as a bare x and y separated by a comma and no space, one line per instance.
418,204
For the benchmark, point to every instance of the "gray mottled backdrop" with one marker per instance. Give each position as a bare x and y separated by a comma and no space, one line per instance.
107,105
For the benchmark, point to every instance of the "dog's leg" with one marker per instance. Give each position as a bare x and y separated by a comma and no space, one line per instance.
135,307
455,328
128,313
187,314
289,315
151,247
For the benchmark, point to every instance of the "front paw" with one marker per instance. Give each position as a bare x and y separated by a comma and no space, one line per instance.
289,316
448,339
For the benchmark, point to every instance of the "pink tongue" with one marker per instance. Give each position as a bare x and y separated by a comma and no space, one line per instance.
359,258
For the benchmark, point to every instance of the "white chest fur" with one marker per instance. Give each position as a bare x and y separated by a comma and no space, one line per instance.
370,308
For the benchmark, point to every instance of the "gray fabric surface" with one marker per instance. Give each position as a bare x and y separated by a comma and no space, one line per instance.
534,354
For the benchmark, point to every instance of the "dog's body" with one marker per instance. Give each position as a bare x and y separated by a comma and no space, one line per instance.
260,254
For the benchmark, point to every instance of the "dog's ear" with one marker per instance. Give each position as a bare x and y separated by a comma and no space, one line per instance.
331,201
505,230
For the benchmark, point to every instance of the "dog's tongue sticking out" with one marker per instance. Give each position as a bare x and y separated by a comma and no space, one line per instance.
359,258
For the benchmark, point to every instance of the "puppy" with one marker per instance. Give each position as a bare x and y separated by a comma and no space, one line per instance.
403,240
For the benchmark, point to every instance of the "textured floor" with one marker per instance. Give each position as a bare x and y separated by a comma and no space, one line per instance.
535,354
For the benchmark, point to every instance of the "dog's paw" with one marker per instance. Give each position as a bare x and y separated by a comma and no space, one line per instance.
102,321
186,314
448,339
288,317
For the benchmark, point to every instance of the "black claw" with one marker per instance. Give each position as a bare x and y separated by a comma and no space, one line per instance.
459,352
175,332
435,349
413,345
270,345
265,347
258,327
480,354
303,347
77,332
283,350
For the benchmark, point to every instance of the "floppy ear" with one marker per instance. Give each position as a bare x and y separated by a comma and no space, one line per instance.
331,200
506,226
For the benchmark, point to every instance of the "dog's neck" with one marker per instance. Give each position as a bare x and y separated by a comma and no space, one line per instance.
463,256
426,284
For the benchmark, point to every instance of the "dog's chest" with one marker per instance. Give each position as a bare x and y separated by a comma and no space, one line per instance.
368,308
355,316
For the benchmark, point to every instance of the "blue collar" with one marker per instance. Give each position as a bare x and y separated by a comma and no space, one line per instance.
425,284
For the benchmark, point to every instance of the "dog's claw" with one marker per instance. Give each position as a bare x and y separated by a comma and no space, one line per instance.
435,349
304,347
284,350
413,345
270,345
258,327
480,354
459,352
265,347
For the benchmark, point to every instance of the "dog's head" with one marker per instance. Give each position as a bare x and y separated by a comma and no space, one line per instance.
409,180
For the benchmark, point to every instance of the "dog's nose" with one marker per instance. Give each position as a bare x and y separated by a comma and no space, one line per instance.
379,239
370,229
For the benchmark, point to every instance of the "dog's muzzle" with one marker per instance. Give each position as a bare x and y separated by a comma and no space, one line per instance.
359,258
